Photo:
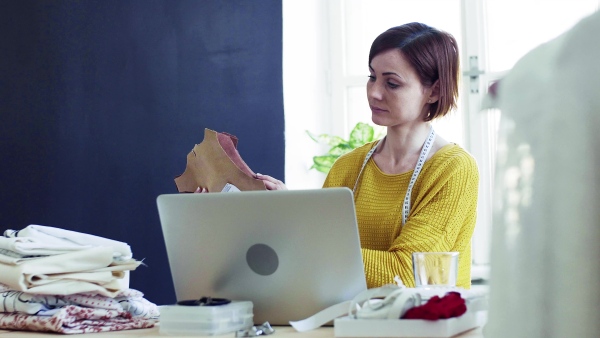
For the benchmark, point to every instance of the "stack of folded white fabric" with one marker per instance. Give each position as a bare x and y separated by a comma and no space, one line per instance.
64,281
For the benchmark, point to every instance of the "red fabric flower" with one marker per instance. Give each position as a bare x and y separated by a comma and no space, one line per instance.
451,305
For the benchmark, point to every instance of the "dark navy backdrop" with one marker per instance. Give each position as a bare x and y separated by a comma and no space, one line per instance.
100,102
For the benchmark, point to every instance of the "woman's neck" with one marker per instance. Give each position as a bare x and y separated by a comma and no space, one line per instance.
400,150
402,142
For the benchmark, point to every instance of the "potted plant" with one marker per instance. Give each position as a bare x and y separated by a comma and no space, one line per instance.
361,134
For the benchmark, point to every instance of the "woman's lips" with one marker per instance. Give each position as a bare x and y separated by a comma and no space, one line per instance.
375,109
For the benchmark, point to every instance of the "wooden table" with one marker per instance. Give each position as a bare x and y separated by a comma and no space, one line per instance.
280,332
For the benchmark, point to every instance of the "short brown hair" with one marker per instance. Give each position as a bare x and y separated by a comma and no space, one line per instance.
434,56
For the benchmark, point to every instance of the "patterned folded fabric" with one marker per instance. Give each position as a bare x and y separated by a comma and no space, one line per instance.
129,300
75,319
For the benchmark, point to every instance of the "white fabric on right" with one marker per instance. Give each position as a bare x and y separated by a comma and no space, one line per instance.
545,275
350,307
322,317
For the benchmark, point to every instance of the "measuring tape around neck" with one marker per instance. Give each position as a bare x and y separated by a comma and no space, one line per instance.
422,157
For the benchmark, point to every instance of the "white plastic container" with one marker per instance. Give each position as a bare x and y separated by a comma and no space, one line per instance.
345,327
403,328
205,320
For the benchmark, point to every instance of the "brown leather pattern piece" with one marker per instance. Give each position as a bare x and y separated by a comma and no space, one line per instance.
215,162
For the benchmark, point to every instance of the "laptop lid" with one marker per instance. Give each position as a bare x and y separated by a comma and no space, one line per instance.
292,253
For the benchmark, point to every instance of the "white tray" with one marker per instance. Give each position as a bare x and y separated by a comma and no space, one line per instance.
350,327
347,327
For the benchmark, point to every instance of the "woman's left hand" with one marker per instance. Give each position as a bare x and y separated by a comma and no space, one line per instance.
271,183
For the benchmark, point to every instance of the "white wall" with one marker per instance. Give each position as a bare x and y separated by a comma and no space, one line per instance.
305,92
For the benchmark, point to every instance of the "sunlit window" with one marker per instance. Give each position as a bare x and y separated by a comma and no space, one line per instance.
326,45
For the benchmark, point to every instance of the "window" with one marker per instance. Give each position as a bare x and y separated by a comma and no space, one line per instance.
325,51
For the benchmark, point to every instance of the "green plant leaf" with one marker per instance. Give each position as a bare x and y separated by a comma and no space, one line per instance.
340,149
330,140
334,140
323,163
321,168
325,160
361,134
314,137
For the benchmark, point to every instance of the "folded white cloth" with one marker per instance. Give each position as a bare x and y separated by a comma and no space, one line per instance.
45,240
12,257
88,270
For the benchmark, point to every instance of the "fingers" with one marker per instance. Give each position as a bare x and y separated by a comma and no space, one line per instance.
271,183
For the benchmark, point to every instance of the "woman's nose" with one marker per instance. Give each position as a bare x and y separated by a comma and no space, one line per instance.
374,90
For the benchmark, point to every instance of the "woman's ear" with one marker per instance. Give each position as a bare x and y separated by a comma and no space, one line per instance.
434,92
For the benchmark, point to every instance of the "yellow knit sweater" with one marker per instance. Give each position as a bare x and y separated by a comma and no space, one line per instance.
441,218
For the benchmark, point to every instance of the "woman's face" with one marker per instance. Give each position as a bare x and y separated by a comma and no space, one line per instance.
394,91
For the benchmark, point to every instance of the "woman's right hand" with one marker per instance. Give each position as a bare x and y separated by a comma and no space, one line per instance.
271,183
201,190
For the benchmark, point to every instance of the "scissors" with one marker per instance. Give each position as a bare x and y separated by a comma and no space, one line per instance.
204,301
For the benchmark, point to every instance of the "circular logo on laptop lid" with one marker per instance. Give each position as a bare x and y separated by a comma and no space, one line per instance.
262,259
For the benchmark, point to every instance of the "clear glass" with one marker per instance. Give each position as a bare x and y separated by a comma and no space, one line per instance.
365,20
435,269
514,27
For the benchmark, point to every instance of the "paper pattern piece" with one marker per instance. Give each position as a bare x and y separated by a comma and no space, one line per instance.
215,162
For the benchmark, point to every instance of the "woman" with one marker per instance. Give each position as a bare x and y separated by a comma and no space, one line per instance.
413,190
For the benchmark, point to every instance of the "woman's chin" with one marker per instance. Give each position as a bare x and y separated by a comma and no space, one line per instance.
378,120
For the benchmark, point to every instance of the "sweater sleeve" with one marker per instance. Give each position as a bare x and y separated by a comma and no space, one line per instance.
442,218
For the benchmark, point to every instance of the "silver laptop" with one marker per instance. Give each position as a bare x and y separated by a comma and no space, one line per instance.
292,253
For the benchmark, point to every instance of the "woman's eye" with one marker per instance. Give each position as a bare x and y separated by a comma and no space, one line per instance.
393,85
371,78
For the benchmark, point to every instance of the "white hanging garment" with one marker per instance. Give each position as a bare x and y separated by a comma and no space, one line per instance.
545,275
